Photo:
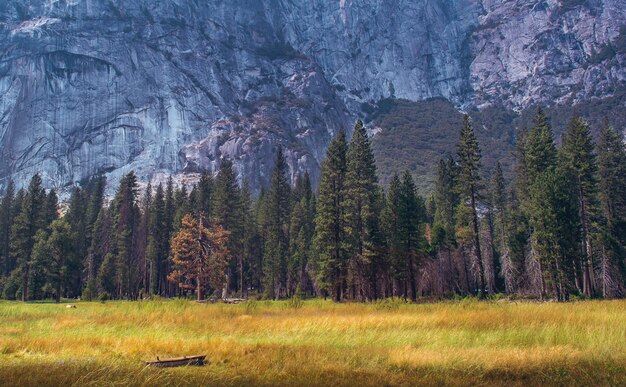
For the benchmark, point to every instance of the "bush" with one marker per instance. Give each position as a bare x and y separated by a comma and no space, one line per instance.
295,302
103,296
389,304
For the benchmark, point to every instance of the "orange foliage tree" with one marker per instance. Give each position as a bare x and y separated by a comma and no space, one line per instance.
199,255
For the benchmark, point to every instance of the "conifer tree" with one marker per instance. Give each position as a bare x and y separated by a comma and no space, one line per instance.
577,156
499,208
553,219
126,221
278,209
362,207
468,186
31,218
7,214
412,214
330,224
539,156
54,254
301,234
199,255
612,193
227,212
445,197
391,219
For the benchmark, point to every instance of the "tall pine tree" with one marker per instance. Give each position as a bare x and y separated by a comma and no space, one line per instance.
330,221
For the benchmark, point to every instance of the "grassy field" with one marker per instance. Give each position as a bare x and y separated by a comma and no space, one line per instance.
272,343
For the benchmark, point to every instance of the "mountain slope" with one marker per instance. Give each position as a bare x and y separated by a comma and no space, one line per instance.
106,86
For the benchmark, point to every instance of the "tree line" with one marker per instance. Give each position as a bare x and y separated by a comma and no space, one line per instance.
557,230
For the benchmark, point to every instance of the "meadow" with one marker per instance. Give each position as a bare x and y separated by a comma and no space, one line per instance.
317,343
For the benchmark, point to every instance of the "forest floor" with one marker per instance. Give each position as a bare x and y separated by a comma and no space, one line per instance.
317,343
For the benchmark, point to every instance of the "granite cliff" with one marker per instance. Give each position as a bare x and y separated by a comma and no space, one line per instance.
173,86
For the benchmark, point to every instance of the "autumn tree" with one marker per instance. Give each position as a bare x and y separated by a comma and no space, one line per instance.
200,256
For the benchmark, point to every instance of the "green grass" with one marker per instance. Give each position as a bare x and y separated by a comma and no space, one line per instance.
271,343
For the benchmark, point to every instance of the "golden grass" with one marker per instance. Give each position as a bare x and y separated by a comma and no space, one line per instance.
268,343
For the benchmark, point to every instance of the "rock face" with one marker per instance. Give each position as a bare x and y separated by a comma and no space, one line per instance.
109,86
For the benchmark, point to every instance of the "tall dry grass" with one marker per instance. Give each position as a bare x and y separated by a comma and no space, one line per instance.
271,343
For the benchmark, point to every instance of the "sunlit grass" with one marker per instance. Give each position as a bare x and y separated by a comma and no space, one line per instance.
270,343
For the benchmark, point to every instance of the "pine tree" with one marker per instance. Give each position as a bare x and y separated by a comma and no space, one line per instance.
7,214
145,248
362,207
539,151
412,214
612,173
250,240
158,241
468,186
126,218
76,218
539,157
330,224
100,274
612,190
174,210
199,255
31,218
499,208
227,212
278,209
554,219
205,187
445,198
301,233
577,156
54,254
391,219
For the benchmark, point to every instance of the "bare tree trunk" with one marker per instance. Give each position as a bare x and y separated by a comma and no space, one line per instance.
479,256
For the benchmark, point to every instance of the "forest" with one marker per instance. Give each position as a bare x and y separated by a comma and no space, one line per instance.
557,230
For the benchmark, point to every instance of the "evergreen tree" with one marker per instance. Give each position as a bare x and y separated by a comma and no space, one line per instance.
539,157
7,214
176,206
445,197
126,218
412,214
553,219
278,209
31,218
55,255
158,242
100,276
612,190
500,223
227,213
539,151
205,187
468,186
76,218
577,156
391,219
612,173
362,206
301,233
330,224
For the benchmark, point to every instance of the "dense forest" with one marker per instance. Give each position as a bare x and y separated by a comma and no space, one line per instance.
556,231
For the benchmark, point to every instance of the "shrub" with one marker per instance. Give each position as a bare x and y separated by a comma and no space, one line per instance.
103,296
295,302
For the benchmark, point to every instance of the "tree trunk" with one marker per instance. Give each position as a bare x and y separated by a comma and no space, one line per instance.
477,246
25,276
588,265
199,289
